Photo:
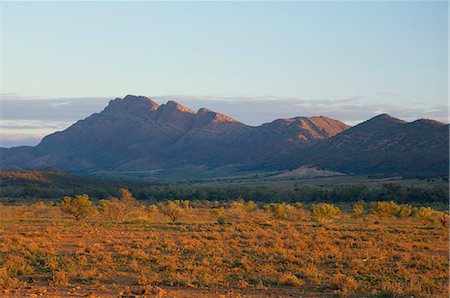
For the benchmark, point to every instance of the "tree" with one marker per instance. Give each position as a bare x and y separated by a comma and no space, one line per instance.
79,207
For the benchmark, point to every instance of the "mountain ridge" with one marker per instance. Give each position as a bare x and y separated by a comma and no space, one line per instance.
137,134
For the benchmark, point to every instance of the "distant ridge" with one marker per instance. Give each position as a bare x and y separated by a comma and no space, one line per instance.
136,134
385,144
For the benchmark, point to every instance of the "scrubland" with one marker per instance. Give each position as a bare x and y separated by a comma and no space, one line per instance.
121,248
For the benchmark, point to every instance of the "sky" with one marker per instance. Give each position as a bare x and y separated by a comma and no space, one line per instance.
254,61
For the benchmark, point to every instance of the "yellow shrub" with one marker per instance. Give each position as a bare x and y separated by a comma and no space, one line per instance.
324,211
358,208
79,207
385,209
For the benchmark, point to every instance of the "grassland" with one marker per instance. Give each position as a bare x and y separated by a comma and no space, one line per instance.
220,250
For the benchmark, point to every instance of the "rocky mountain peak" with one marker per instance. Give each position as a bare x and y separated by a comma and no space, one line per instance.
173,105
133,104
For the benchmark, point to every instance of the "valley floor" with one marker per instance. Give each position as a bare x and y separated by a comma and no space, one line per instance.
250,255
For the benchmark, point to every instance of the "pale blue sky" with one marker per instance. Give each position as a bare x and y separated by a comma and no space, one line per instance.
389,54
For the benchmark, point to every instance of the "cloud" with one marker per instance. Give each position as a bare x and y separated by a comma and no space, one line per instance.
8,140
351,110
25,120
56,109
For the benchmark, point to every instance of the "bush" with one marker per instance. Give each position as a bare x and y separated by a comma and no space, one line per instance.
116,209
282,211
298,205
429,215
111,208
173,210
405,211
442,219
251,206
358,208
324,211
186,205
151,209
385,209
425,214
128,202
79,207
221,215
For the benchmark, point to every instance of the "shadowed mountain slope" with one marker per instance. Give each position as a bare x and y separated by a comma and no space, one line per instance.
384,144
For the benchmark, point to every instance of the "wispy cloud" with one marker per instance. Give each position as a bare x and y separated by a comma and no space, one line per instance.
25,120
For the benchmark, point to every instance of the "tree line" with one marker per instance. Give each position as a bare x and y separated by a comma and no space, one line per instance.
298,193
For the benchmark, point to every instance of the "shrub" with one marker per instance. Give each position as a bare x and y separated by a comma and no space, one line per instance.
405,211
385,209
324,211
17,266
111,208
442,219
60,278
221,215
116,209
358,208
7,281
237,210
429,215
128,202
152,208
282,211
79,207
298,205
251,206
425,214
173,210
186,205
40,209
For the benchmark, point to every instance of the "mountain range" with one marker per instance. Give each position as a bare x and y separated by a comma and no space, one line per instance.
137,135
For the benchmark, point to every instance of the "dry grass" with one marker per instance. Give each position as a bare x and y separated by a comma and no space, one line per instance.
251,253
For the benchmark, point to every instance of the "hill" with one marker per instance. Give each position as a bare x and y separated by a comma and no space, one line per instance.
384,144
